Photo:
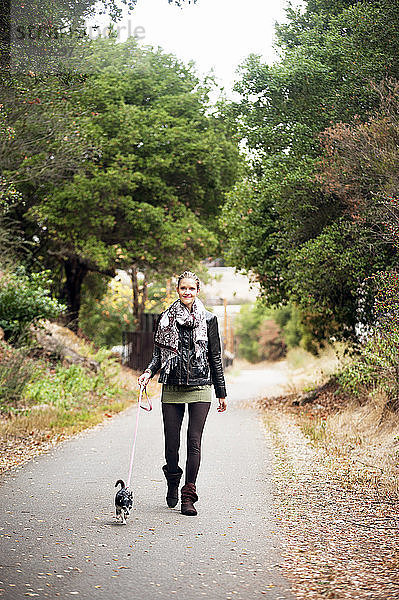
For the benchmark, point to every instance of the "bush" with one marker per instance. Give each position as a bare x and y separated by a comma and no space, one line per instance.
15,372
377,367
66,387
266,333
247,325
24,300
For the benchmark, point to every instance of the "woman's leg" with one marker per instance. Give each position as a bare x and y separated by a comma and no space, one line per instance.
197,413
173,414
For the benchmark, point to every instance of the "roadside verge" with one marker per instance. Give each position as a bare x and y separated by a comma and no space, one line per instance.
338,517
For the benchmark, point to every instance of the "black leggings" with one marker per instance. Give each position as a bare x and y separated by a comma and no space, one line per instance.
173,414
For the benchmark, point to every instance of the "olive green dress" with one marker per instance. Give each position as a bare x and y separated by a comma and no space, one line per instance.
186,393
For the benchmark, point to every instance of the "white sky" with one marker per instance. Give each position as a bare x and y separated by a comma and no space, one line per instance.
216,34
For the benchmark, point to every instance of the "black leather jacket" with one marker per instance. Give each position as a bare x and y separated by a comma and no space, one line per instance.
188,371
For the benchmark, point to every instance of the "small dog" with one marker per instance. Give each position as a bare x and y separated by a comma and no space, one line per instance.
123,501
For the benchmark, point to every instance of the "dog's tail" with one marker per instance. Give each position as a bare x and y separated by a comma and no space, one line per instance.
120,482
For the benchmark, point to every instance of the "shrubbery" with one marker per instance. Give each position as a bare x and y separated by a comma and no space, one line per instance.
377,366
15,371
25,382
266,333
65,387
24,300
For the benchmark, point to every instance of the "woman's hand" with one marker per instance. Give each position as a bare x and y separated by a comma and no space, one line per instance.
144,378
222,404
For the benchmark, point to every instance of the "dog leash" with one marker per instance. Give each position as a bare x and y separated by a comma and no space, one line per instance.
148,408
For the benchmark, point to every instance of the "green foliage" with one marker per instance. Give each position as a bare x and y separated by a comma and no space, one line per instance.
377,366
15,371
265,333
375,370
66,387
62,387
103,317
282,223
326,274
165,164
287,318
12,245
126,166
24,300
247,326
23,380
8,194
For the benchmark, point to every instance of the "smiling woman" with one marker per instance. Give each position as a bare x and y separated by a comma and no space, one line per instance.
187,351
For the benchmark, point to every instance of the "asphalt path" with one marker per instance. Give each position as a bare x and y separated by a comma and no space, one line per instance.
60,539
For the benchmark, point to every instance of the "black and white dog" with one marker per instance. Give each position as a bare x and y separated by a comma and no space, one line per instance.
123,501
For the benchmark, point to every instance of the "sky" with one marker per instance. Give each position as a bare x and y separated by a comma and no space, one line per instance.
216,34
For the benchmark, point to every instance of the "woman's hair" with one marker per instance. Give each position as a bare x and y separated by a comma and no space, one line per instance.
189,275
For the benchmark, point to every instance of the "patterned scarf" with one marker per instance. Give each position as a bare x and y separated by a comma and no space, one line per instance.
167,333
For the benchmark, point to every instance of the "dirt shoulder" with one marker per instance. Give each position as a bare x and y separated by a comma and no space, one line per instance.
337,509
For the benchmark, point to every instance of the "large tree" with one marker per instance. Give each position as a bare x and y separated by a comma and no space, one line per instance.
330,53
158,162
361,165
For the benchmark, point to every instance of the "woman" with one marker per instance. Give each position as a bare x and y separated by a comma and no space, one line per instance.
187,350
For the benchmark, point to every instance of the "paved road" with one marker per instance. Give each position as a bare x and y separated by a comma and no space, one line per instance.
60,539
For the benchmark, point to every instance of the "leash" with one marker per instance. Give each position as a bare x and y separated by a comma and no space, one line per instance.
148,408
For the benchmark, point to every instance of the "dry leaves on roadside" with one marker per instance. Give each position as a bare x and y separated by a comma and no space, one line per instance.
341,533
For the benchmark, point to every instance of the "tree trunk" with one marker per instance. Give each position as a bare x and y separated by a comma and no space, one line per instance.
144,296
138,306
75,272
5,35
135,291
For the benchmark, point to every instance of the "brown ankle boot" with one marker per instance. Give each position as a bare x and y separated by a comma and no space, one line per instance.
188,497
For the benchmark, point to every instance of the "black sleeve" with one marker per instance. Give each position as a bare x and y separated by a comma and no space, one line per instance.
155,363
215,358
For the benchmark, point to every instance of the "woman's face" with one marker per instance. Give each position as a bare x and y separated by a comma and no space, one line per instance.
187,291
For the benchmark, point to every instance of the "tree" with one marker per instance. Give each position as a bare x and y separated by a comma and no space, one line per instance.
360,165
24,300
148,194
330,52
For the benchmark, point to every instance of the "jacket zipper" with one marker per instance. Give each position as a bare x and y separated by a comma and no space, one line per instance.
181,364
188,358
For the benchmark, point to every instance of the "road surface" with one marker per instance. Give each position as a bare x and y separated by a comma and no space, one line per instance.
59,538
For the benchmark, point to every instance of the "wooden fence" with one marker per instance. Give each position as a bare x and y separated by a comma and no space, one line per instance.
139,344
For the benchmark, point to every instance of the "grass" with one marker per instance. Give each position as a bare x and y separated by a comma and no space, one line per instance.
16,370
369,437
54,413
358,432
307,371
362,434
314,429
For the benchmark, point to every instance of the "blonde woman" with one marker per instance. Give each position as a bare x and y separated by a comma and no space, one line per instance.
187,351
